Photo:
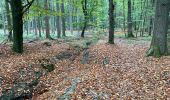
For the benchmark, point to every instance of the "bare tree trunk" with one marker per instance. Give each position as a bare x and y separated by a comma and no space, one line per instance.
124,18
39,22
58,21
47,25
35,27
84,7
9,22
71,18
111,22
130,33
63,19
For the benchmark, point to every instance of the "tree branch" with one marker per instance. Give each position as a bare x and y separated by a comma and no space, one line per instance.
27,6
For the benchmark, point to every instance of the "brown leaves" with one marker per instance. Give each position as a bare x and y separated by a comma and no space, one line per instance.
112,72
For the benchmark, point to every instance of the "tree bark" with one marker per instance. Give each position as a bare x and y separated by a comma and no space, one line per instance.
9,22
35,27
84,7
158,45
71,18
47,25
58,20
39,22
130,33
124,18
63,19
111,22
17,14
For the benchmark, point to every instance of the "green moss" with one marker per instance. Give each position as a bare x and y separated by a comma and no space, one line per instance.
156,53
149,52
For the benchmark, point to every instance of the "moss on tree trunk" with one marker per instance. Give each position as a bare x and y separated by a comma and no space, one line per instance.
154,51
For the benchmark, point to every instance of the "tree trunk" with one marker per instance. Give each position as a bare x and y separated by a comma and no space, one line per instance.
84,7
39,22
47,25
124,18
39,26
9,22
130,34
71,18
111,22
152,2
83,30
35,27
58,20
17,14
63,19
158,45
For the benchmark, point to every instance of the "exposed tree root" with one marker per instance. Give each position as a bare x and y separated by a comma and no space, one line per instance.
154,51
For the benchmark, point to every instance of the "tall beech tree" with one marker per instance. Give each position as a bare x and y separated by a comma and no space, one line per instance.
158,45
63,19
47,24
130,32
39,20
58,19
111,22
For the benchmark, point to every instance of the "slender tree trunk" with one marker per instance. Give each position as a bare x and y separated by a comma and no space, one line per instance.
35,27
58,21
71,18
144,19
39,22
9,22
3,22
39,26
17,14
130,33
124,18
111,22
47,24
151,18
63,19
84,7
159,40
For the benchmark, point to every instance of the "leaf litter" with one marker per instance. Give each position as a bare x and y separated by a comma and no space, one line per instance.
103,71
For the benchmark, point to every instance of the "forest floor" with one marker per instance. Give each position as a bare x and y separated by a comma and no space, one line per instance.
50,70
